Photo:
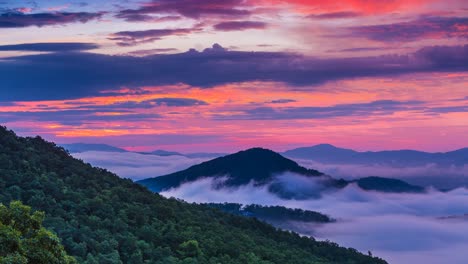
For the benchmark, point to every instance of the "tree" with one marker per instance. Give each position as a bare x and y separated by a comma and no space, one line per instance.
24,240
189,249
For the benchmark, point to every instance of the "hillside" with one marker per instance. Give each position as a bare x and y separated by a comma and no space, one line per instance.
272,214
255,165
83,147
102,218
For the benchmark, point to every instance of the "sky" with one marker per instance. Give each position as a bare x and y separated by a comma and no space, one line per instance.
202,76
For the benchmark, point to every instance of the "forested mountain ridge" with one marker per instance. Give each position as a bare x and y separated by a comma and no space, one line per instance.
255,165
261,167
272,213
102,218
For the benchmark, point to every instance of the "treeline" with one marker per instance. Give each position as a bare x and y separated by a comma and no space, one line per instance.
272,213
101,218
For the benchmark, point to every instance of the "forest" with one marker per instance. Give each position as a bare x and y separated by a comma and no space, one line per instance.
272,213
101,218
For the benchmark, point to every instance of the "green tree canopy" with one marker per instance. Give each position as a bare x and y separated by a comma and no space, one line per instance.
23,239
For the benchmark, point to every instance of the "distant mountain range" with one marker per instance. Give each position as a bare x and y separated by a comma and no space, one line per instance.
261,167
326,153
84,147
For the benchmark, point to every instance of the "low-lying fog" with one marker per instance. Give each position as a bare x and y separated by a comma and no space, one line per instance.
137,166
401,228
444,177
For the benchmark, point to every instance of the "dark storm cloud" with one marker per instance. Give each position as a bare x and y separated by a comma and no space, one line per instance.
239,25
74,75
19,19
50,47
425,27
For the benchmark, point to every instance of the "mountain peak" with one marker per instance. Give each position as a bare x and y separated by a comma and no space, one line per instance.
257,165
325,146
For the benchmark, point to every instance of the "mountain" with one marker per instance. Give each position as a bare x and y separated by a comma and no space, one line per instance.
387,185
257,165
261,168
160,152
323,152
326,153
204,155
83,147
272,214
102,218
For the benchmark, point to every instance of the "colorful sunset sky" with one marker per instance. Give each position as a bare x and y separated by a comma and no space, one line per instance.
219,76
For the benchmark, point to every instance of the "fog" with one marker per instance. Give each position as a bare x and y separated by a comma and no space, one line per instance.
424,175
401,228
137,166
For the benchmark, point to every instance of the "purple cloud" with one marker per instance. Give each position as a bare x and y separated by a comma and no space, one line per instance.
151,51
426,27
208,68
239,25
18,19
282,101
382,107
50,47
132,38
186,8
335,15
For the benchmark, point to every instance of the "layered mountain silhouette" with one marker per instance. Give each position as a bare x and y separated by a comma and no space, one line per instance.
326,153
83,147
261,167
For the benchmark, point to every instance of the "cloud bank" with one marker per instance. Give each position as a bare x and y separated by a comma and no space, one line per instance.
19,19
137,166
211,67
430,174
402,228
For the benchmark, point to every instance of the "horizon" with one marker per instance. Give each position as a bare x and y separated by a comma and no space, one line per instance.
191,76
275,150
